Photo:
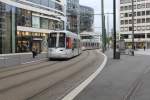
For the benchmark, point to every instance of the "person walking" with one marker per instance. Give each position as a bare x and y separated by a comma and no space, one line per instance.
34,52
144,48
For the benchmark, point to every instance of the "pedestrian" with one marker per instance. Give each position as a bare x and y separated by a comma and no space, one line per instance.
34,53
144,48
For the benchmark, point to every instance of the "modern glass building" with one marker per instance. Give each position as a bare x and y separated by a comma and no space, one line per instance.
86,18
73,15
25,24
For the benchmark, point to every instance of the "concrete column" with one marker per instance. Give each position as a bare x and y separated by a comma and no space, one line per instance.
13,30
146,43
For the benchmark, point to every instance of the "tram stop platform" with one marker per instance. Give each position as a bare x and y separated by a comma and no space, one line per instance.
8,60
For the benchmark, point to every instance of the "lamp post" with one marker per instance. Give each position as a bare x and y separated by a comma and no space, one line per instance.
132,28
103,27
114,25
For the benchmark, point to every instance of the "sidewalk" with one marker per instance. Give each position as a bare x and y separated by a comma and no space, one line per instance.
143,90
119,79
8,60
142,52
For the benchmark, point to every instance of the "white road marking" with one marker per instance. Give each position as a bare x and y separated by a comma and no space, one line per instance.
83,85
33,61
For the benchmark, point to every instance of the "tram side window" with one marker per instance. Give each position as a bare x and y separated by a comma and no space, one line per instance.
68,43
75,43
52,40
61,40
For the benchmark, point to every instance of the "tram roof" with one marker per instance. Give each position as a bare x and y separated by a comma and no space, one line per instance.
89,34
66,32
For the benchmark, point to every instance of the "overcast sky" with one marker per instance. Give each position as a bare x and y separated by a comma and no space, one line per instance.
96,4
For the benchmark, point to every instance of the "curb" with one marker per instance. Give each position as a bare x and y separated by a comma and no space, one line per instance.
84,84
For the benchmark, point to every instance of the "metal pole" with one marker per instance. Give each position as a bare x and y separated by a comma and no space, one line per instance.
103,25
108,25
114,25
132,27
65,12
108,35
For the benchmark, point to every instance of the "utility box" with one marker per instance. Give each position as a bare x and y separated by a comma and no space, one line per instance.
117,55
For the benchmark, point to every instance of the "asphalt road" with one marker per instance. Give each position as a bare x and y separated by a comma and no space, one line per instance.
47,80
124,79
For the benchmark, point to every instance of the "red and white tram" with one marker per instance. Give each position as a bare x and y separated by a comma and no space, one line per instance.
63,44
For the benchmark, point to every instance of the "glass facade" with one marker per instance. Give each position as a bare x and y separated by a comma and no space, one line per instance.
48,3
6,32
86,18
13,22
35,22
72,15
27,41
24,17
44,23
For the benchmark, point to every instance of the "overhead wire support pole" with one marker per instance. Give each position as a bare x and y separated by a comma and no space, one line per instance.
103,25
114,25
132,27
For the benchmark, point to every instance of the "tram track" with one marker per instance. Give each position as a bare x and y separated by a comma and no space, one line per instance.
42,76
6,69
18,71
87,65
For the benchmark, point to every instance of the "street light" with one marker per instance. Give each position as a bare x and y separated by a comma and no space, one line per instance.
132,28
114,25
103,27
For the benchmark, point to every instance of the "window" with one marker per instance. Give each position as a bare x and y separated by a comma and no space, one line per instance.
68,43
139,6
52,40
143,20
61,40
130,21
138,13
24,17
44,23
126,15
138,20
143,13
147,20
121,8
148,12
122,22
35,22
130,28
126,21
147,5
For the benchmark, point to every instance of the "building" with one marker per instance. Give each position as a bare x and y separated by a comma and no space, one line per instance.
73,16
86,18
25,24
90,39
141,22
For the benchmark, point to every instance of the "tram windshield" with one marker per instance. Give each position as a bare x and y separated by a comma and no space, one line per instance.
61,40
52,40
56,40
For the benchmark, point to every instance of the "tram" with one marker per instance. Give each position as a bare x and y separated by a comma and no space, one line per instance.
63,44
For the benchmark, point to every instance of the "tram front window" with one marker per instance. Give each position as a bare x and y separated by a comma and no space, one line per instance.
52,40
61,40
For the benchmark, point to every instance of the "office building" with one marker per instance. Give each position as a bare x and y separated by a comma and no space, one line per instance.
25,24
141,22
